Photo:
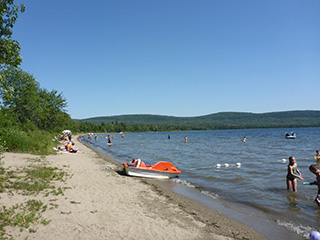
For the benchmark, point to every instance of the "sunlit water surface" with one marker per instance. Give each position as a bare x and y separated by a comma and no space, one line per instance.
258,184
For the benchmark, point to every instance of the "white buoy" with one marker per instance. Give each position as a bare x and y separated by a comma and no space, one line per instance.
226,165
238,164
284,160
218,165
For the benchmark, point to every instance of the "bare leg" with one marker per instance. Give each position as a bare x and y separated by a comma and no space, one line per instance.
288,184
294,185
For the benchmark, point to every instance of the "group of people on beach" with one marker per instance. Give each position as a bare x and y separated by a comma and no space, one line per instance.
65,136
294,173
69,146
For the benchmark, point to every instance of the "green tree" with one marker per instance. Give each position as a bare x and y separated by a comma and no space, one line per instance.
9,48
31,106
19,95
51,109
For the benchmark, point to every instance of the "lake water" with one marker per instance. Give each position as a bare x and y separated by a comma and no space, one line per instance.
256,188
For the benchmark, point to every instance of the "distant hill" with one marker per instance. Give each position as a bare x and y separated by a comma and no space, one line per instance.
222,120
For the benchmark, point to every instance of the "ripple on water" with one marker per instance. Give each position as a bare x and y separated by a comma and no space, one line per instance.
259,182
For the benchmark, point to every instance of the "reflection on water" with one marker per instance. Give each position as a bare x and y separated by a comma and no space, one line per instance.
293,203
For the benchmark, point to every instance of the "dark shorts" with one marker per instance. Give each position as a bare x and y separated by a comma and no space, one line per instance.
291,178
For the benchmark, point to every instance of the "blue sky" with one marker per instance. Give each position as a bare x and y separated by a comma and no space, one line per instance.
174,57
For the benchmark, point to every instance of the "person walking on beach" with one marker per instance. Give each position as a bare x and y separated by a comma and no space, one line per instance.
293,174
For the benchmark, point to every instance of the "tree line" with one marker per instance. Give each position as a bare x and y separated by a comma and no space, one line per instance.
217,121
30,115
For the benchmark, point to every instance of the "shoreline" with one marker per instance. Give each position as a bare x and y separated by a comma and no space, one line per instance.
100,203
225,226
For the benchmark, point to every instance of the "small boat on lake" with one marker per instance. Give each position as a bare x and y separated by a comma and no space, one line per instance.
138,168
291,135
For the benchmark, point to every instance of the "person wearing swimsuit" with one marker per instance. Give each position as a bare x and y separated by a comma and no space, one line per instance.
293,174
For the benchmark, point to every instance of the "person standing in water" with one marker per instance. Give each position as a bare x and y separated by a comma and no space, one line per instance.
109,139
293,174
185,139
315,170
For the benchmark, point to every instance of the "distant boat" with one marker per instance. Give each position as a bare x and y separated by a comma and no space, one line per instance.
137,168
291,135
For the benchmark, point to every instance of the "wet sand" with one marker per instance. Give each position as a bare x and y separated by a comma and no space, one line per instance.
110,205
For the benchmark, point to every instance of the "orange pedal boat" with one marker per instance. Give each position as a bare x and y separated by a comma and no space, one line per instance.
138,168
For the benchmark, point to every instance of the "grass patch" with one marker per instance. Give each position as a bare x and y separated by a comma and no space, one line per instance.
31,180
22,216
57,192
53,206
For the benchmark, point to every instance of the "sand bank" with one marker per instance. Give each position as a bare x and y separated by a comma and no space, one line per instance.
100,203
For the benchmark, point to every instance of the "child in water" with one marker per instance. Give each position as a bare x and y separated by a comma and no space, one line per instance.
293,173
316,171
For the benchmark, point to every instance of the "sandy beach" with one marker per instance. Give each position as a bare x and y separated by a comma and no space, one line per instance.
98,202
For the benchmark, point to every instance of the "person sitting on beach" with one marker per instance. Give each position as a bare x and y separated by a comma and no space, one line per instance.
73,149
68,146
293,174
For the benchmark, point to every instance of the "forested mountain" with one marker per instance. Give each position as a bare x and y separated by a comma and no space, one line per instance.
223,120
30,115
